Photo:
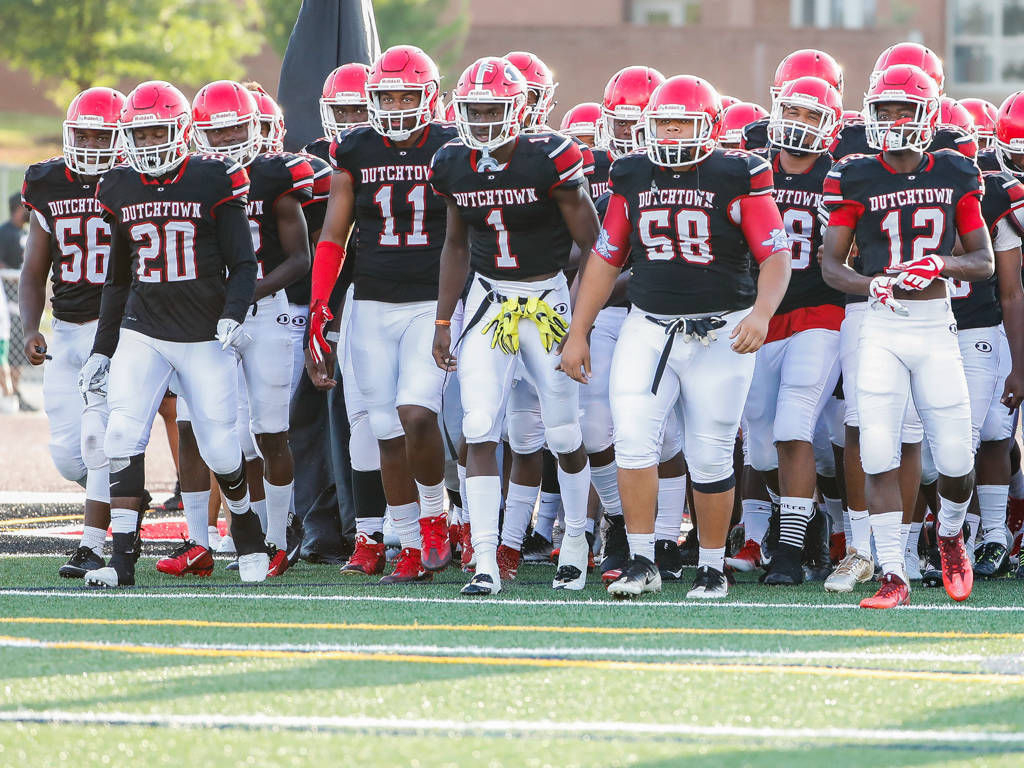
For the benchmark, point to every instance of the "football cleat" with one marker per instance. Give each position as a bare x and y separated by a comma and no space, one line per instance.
213,532
747,558
482,585
817,564
785,568
991,561
455,539
278,561
189,558
893,592
641,575
771,536
957,576
408,567
82,561
668,560
173,503
508,562
436,551
368,558
616,550
468,559
226,546
852,570
837,546
710,584
574,557
536,549
119,573
689,547
253,568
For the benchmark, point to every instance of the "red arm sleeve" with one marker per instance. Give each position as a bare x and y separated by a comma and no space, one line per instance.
842,212
762,226
613,240
968,213
326,268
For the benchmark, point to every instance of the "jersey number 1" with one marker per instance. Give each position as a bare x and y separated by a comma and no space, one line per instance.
417,198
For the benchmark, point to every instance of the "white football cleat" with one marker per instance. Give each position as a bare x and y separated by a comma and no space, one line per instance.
482,585
710,584
104,577
226,546
253,568
572,563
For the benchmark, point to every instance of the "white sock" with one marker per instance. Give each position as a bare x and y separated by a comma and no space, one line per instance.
405,518
461,471
860,532
671,501
641,544
123,520
213,536
550,503
992,501
370,525
951,516
483,494
834,510
97,485
904,535
756,514
973,522
575,488
431,499
846,528
260,508
1017,484
519,503
239,507
591,525
885,528
914,537
197,513
94,538
278,497
776,498
711,558
795,513
606,483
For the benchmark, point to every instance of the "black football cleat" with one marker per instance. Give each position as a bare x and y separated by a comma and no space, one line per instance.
616,549
991,561
771,536
710,584
82,561
640,576
785,568
668,559
536,549
689,550
817,564
481,585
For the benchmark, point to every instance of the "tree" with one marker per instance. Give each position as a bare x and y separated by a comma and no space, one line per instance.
423,23
68,46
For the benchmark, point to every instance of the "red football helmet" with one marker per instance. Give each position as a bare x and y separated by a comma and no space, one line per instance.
490,81
402,68
625,97
96,109
808,62
728,101
903,83
449,112
270,116
984,113
852,117
788,131
344,86
914,54
687,98
735,118
223,104
156,104
583,120
540,82
1010,134
953,116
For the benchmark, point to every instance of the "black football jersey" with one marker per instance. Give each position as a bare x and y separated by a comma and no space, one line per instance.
319,148
987,160
799,198
755,135
314,209
903,216
599,178
178,269
688,253
66,207
516,229
976,305
853,140
273,175
400,222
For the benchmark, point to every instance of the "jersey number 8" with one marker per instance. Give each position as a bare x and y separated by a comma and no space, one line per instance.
693,232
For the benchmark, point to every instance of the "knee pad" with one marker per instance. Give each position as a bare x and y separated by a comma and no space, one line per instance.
565,438
94,429
526,433
128,477
385,423
249,450
124,437
363,448
232,481
761,450
879,451
715,486
68,462
953,458
596,426
477,426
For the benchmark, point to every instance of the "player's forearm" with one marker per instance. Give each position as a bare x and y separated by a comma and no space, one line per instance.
772,282
836,273
284,274
31,298
452,279
108,328
970,266
595,287
236,244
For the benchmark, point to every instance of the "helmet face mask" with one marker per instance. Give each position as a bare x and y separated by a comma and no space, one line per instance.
344,88
399,123
92,141
271,123
889,133
243,150
478,125
693,142
624,119
805,116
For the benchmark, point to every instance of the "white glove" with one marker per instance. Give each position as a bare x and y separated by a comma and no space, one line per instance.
230,333
92,379
880,295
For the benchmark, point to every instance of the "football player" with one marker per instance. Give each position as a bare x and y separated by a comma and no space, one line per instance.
516,204
690,214
904,209
69,240
798,366
178,224
984,114
380,186
625,97
735,119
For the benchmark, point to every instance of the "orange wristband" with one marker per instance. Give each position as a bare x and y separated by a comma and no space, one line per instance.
445,323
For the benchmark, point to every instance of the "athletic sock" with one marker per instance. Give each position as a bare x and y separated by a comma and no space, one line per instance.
1016,487
834,510
97,484
951,516
860,532
885,528
641,544
94,538
370,525
756,514
368,493
431,499
405,519
711,558
278,497
992,501
483,494
197,515
546,514
260,508
794,514
606,483
575,487
519,503
671,501
910,545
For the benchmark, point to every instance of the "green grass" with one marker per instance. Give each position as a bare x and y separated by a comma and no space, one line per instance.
786,659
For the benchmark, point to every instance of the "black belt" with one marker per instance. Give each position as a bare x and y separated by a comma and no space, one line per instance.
692,328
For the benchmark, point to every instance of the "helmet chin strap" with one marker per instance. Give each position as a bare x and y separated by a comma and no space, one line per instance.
486,163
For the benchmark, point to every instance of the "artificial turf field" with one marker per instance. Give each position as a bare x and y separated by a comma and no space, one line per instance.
309,669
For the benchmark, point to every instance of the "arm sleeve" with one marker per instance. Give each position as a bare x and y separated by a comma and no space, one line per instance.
968,213
115,294
842,212
1004,238
236,249
567,170
613,240
299,181
762,226
236,187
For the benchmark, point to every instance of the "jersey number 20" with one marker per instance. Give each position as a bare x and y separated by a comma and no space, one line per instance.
177,243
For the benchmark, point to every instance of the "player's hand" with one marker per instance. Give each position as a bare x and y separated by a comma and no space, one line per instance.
575,361
918,274
1013,390
442,348
750,333
880,295
92,379
35,348
230,334
317,370
319,316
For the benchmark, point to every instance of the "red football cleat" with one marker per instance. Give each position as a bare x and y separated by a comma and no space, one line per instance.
591,565
278,562
408,567
468,559
436,549
367,559
957,574
1015,515
508,562
837,546
189,558
455,538
747,559
893,592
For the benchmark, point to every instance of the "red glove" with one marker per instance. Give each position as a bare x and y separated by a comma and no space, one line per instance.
880,294
918,274
319,316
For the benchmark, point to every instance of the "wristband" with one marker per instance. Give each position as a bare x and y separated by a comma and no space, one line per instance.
443,323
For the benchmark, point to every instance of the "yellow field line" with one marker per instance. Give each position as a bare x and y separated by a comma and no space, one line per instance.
604,665
570,630
30,520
